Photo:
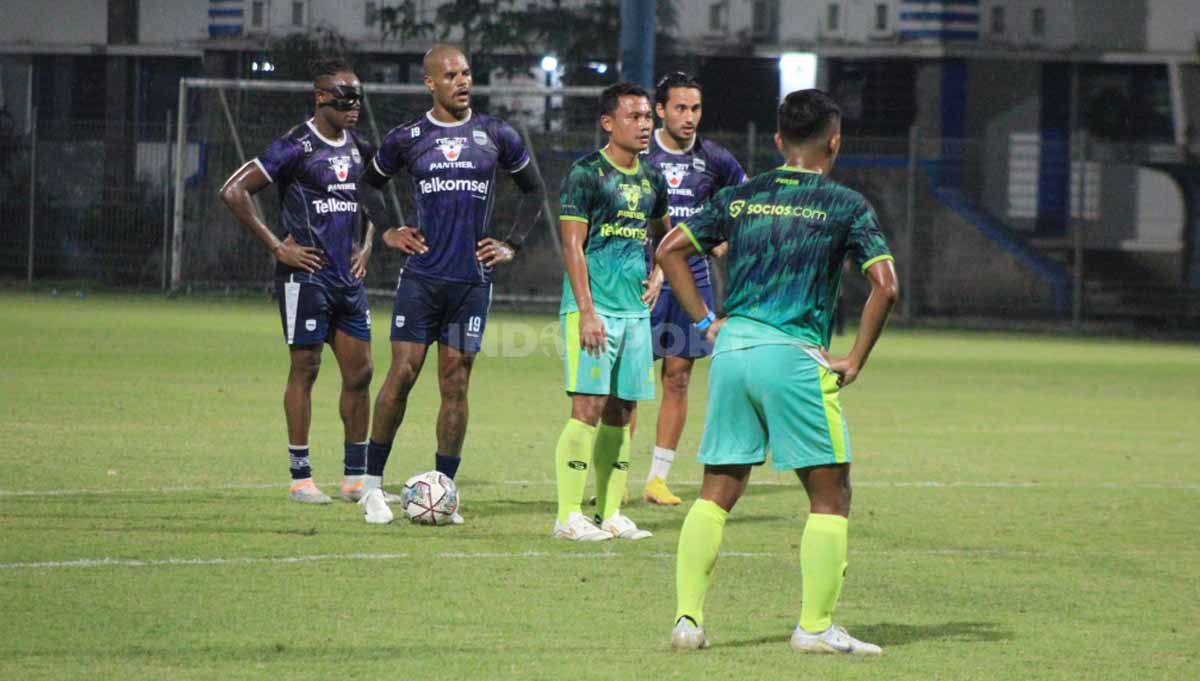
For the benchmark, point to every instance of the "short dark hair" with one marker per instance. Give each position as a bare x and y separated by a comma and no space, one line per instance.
662,91
328,66
613,93
806,114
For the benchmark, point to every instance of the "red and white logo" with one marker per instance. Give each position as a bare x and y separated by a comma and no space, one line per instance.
674,172
340,166
451,147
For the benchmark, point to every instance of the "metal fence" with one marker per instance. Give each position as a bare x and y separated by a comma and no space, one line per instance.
1013,226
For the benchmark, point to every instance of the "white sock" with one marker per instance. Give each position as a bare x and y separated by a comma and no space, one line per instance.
352,480
372,482
660,464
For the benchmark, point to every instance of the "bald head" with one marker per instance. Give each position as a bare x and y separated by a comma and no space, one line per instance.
437,57
448,77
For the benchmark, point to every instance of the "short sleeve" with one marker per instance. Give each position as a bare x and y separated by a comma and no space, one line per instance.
278,162
575,195
513,156
731,171
365,149
865,244
389,159
710,226
661,202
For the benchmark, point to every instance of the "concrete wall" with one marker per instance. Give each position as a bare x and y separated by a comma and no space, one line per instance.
1118,25
1172,25
165,22
65,22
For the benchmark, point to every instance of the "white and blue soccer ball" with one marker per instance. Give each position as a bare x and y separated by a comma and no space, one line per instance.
430,498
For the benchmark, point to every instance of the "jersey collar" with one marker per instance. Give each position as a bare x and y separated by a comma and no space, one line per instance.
637,164
326,140
794,169
690,146
431,119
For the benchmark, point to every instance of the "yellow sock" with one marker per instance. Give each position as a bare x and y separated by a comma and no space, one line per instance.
611,456
699,543
823,562
571,458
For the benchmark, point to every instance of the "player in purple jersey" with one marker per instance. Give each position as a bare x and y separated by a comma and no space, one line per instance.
453,156
319,265
695,168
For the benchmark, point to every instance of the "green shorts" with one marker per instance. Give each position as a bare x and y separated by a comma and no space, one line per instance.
624,369
773,396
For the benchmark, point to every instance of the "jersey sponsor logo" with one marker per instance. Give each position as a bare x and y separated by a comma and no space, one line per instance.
675,173
683,211
342,187
623,231
740,206
340,166
446,165
480,137
682,191
451,147
323,206
699,165
436,185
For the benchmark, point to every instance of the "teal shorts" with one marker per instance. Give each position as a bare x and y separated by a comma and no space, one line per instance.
624,369
776,397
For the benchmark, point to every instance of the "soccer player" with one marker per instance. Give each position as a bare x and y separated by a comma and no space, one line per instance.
610,201
452,154
695,168
772,384
320,266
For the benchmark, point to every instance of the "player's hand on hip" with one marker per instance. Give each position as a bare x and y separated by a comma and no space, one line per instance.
407,240
292,254
710,334
358,262
492,252
592,334
846,370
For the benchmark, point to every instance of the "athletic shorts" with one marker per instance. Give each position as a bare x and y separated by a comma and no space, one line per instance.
672,331
312,310
624,369
449,312
776,397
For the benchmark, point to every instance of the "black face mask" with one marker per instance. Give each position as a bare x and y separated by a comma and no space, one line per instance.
345,97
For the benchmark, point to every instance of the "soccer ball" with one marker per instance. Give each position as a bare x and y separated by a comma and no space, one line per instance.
430,498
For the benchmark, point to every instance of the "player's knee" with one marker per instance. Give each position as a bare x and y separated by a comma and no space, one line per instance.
454,387
359,380
305,366
676,381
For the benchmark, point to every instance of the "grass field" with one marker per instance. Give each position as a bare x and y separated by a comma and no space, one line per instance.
1025,507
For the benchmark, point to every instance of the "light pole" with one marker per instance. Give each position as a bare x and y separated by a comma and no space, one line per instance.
549,66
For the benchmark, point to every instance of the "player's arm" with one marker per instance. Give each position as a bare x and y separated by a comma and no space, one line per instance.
885,291
362,251
405,238
491,251
654,283
591,328
237,191
672,256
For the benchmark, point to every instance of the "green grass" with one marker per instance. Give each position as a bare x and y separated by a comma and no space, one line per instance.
1025,507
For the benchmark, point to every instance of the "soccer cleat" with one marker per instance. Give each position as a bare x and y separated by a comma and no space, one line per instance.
832,640
352,492
375,508
391,498
622,527
687,636
307,493
656,492
456,519
579,528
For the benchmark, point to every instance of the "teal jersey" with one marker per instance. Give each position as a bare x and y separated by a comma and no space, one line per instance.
617,205
789,232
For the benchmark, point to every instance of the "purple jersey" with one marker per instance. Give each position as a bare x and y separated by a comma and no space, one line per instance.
317,178
692,177
453,169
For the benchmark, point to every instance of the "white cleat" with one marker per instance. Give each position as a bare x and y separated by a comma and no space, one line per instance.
832,640
308,493
622,527
456,519
579,528
390,498
688,636
375,508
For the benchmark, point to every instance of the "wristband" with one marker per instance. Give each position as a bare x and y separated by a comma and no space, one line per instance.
703,324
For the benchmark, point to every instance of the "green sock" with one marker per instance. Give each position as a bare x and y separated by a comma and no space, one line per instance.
611,457
699,543
571,458
823,562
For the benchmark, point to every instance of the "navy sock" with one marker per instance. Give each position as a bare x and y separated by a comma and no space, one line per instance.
355,461
298,456
447,465
377,456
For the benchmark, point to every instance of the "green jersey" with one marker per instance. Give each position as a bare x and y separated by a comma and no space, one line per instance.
617,205
789,232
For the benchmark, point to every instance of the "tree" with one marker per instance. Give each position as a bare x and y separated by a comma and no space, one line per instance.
292,54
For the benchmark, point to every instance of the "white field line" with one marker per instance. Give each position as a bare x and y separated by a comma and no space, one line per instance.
932,484
453,555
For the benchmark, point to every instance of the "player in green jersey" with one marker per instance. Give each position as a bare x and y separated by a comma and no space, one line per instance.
610,204
772,384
